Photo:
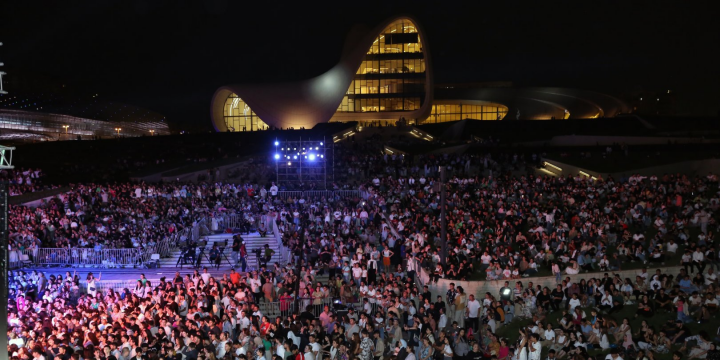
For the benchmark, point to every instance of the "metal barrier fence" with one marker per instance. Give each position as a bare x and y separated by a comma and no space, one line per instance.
200,228
319,193
316,309
288,194
232,221
284,307
166,246
347,193
105,258
108,258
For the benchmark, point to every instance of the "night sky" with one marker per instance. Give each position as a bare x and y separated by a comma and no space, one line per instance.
170,56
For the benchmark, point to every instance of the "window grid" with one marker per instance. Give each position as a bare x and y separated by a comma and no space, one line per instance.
239,117
454,112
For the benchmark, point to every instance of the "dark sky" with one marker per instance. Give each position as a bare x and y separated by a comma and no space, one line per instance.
170,56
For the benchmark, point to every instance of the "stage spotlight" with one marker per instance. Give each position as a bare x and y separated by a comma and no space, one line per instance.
312,157
295,157
322,156
277,156
289,163
321,144
277,143
317,148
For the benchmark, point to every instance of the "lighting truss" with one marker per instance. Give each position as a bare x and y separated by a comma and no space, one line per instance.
2,91
299,163
6,157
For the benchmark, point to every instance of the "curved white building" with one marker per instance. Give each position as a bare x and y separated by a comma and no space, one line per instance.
386,75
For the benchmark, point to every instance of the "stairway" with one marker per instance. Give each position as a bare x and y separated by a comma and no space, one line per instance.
252,241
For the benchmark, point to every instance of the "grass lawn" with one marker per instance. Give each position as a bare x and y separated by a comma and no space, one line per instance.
649,234
617,162
510,331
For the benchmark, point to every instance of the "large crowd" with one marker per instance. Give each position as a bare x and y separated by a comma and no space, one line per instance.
22,181
372,249
94,217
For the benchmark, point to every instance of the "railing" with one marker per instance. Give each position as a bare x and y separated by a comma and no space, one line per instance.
288,194
347,193
232,221
284,253
316,309
331,194
199,229
107,258
284,307
319,193
166,246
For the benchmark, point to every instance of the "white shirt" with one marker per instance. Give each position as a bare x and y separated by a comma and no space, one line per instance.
710,278
443,321
573,304
17,341
485,259
473,307
254,285
205,277
698,256
535,350
549,335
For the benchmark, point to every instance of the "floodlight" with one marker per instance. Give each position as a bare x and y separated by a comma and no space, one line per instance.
277,156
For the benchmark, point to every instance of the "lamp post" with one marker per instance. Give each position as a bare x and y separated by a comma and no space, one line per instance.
66,128
118,130
152,132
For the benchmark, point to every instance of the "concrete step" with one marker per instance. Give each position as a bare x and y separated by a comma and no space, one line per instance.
252,242
172,260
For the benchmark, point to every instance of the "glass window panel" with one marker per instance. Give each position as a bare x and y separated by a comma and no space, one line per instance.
239,116
388,84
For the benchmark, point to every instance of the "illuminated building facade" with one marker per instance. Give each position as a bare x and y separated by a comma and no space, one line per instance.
386,75
58,116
